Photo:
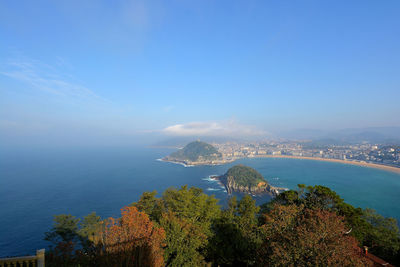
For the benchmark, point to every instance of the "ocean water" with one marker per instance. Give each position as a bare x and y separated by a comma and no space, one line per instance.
37,184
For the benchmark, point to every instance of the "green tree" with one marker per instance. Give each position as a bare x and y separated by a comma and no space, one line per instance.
184,241
65,229
183,212
320,197
237,235
88,231
64,235
150,204
192,204
382,237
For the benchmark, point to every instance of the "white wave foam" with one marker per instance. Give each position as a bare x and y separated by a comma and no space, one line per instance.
210,179
213,189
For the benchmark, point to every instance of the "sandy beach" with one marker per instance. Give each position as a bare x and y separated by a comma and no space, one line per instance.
364,164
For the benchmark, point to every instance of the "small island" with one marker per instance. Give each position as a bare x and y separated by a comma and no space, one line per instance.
241,178
197,153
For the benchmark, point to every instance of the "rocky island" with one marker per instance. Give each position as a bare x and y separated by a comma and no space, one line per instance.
196,153
241,178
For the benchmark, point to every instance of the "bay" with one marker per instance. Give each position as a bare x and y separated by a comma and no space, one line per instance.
36,184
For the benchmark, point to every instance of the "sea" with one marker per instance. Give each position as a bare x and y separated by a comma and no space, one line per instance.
36,184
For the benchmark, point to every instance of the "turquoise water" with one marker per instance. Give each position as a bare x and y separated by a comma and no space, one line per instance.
37,184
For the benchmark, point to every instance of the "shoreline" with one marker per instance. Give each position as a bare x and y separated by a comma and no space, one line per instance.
193,164
176,162
268,189
351,162
358,163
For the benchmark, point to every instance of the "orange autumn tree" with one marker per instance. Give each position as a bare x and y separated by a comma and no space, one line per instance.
132,240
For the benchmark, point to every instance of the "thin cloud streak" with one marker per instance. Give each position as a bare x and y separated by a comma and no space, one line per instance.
229,128
47,78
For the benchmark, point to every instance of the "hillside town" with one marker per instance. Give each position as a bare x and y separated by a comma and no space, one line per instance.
370,153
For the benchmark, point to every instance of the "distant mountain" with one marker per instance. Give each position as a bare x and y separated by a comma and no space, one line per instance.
302,134
196,153
346,136
370,135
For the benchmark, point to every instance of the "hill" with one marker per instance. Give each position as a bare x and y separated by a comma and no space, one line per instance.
245,176
241,178
196,153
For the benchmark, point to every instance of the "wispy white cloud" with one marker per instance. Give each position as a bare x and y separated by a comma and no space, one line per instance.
46,78
227,128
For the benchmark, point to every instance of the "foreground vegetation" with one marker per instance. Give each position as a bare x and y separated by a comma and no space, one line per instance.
311,226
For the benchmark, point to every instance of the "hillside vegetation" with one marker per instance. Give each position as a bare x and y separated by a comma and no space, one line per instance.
196,151
311,226
245,176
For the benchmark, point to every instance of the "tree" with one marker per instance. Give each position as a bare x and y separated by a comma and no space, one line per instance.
64,229
297,236
320,197
181,210
191,206
64,235
236,236
184,241
382,236
132,240
370,229
149,204
185,227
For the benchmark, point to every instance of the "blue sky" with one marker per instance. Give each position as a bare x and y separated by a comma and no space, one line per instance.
98,70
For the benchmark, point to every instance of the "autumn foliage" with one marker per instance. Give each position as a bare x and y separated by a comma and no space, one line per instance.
294,236
185,227
132,239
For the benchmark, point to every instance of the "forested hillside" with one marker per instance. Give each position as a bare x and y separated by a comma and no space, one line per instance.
311,226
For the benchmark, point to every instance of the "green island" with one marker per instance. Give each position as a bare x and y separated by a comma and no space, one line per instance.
245,176
241,178
196,153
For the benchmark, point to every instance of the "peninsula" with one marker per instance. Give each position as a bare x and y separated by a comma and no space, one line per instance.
197,153
241,178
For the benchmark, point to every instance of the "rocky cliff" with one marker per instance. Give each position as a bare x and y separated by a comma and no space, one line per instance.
244,179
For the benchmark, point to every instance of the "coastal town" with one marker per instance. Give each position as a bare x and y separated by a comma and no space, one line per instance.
383,154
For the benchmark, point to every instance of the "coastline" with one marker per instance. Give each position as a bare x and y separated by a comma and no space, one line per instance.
358,163
267,189
175,162
192,164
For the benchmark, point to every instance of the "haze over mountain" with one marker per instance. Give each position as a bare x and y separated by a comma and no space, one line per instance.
139,72
350,135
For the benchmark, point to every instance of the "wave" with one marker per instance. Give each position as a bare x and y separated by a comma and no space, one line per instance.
210,179
180,163
213,189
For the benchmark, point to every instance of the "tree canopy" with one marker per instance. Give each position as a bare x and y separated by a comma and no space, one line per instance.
245,176
186,227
